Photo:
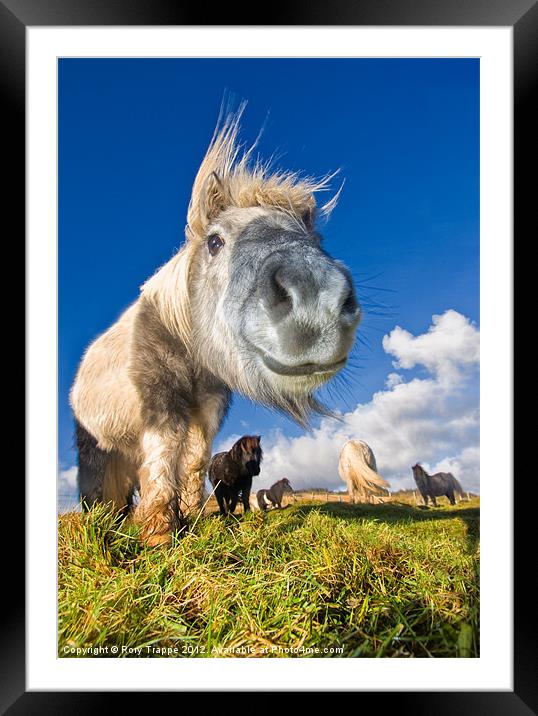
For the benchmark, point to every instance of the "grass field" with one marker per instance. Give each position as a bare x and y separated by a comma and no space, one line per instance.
390,580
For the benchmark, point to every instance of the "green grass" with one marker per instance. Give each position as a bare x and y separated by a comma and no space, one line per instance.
389,580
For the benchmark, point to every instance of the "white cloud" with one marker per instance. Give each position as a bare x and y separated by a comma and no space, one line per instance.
393,379
434,420
451,342
465,467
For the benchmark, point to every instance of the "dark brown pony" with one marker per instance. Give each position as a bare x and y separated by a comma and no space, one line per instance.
231,473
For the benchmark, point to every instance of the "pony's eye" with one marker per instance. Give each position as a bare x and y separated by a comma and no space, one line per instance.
214,244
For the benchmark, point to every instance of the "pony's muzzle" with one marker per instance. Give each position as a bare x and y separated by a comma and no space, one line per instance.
313,313
253,468
292,289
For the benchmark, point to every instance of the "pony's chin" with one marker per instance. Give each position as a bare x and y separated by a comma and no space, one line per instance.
303,370
300,384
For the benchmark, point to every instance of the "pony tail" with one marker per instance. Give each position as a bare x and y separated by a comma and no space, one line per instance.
458,487
357,467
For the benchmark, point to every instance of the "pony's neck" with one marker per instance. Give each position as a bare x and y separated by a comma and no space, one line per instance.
168,292
422,476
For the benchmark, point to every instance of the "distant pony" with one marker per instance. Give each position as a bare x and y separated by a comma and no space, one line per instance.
231,473
357,468
273,496
432,486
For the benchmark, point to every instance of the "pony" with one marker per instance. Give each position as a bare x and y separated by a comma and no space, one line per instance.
273,496
432,486
231,473
357,468
251,303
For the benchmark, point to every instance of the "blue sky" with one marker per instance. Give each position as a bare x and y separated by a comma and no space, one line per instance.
405,134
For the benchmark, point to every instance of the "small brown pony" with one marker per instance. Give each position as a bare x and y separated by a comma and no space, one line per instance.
231,473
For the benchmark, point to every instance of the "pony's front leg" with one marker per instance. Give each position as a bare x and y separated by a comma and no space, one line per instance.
221,503
232,504
196,449
245,499
158,512
194,458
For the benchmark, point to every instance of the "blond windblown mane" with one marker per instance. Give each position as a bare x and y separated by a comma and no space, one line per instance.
357,468
229,177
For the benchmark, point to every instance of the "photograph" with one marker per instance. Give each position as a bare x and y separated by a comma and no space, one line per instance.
268,357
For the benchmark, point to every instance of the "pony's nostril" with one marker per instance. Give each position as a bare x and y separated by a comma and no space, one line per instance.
280,301
280,292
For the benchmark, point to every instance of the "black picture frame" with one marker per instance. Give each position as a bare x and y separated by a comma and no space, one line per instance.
522,15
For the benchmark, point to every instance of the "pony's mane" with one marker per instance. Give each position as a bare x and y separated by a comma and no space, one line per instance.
168,291
250,183
247,441
362,470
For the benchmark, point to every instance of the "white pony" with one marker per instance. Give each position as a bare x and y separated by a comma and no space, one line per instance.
357,468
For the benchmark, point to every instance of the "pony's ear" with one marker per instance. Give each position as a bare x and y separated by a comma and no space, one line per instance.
213,199
308,217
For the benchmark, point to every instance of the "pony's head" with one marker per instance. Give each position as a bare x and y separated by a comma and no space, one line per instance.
418,473
286,485
253,294
247,450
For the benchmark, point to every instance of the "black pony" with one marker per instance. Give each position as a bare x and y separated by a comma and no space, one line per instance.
231,473
273,496
432,486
